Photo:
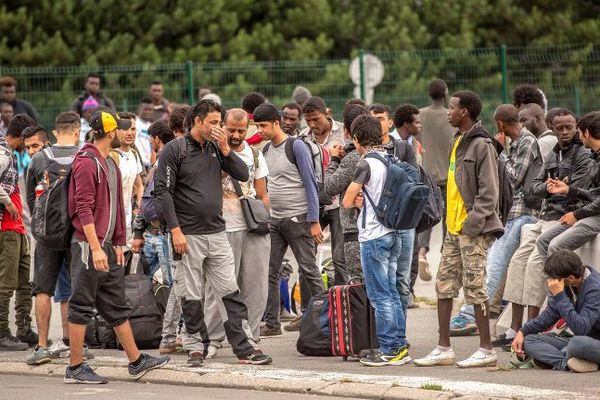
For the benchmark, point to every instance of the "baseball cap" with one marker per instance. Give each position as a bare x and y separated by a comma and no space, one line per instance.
107,121
266,112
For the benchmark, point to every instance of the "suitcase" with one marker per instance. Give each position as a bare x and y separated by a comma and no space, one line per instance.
352,321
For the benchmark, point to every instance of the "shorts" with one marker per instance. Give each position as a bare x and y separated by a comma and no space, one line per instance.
47,265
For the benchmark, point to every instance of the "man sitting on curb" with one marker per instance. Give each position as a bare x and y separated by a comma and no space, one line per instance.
575,297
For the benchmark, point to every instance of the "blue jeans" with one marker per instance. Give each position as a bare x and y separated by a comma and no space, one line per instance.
407,239
556,351
63,284
156,251
499,257
379,259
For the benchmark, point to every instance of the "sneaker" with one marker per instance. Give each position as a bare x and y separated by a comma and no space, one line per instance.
39,356
294,326
10,343
29,337
424,272
479,359
581,365
502,340
83,374
437,357
211,352
147,363
59,350
378,359
266,331
167,348
462,326
257,357
195,359
286,316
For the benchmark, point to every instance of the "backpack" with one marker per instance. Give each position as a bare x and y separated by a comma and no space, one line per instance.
148,207
320,159
434,209
99,335
315,333
403,197
534,170
506,192
51,222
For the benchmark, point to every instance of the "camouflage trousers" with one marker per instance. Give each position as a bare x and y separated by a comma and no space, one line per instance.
463,264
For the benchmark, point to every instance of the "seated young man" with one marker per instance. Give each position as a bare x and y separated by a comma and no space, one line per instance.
575,297
380,247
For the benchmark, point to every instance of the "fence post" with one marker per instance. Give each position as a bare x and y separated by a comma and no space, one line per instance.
504,68
189,66
361,64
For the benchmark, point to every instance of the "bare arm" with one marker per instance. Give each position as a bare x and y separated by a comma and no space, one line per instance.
260,185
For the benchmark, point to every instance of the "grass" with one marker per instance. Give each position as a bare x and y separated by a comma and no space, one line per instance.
432,386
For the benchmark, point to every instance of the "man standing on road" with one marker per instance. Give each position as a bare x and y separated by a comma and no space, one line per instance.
250,250
97,273
473,223
159,103
293,195
188,195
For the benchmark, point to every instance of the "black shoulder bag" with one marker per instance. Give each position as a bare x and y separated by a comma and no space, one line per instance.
255,212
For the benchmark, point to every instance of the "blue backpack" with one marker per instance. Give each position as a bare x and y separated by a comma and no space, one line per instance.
403,197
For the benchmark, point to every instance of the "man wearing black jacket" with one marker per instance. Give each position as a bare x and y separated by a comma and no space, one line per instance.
189,197
570,161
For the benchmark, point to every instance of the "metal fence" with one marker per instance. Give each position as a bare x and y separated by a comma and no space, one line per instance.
569,75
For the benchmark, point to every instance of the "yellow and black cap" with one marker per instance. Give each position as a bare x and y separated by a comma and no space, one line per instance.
107,121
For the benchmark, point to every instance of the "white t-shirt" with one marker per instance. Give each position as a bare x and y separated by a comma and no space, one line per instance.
130,168
232,210
371,173
142,140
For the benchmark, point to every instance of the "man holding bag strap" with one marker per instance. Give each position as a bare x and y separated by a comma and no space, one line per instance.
250,249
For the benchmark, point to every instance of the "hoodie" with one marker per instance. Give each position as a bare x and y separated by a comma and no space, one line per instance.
89,196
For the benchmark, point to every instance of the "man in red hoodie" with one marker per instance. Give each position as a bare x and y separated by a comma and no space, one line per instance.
97,277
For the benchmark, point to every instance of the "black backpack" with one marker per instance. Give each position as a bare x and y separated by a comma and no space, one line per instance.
50,220
99,335
434,209
315,333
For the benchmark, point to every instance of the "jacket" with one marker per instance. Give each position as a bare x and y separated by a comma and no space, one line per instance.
338,177
90,196
582,316
102,100
187,187
592,195
574,165
476,177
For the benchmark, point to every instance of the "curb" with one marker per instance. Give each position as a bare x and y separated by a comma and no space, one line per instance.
228,380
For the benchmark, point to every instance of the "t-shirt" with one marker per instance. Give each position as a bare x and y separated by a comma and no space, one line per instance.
232,210
130,167
142,140
112,188
10,224
456,213
371,173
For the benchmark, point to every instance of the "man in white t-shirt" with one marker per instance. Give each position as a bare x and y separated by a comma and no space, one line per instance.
143,141
380,247
130,163
250,251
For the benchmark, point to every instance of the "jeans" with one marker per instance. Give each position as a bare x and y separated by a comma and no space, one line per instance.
403,268
331,218
379,259
156,251
295,233
556,351
564,237
63,284
499,257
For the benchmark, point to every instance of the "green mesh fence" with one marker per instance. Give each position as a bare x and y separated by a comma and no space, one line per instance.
568,75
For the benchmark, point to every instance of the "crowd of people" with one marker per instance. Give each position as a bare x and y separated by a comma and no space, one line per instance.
210,172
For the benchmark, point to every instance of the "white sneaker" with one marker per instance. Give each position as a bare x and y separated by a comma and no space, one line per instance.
437,357
479,359
211,352
59,349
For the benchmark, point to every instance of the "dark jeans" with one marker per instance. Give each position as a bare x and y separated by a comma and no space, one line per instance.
295,233
556,351
414,266
425,237
331,218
